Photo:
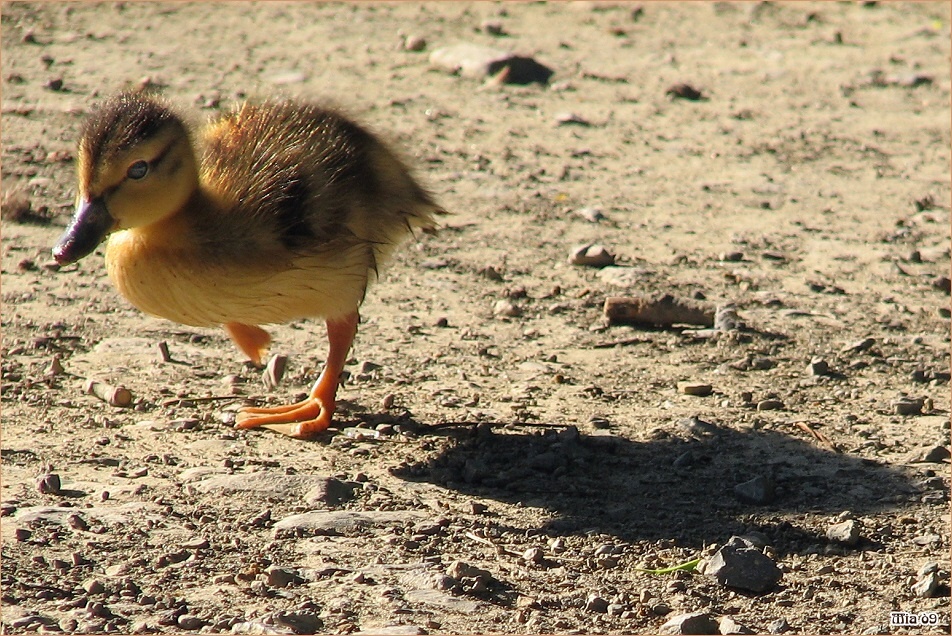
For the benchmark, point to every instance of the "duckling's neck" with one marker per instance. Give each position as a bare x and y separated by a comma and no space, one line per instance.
182,227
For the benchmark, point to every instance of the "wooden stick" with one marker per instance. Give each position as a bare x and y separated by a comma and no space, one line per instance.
114,395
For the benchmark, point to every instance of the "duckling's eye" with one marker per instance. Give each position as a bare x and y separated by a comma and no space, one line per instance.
138,170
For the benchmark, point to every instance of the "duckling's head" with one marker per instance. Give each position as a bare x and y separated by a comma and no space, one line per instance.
136,166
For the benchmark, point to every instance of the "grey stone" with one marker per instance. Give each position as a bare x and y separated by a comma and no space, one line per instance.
48,484
927,568
858,346
270,483
591,255
342,522
727,319
845,532
595,603
759,490
698,389
727,625
818,366
460,570
283,577
739,564
331,491
441,600
93,586
778,626
59,515
592,215
908,405
936,455
927,586
300,621
190,622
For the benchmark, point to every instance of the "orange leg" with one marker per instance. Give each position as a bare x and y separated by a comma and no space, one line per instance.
312,415
253,341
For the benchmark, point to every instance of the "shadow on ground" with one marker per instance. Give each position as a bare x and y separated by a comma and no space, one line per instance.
679,488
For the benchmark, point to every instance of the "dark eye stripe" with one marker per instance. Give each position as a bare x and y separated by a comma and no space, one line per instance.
161,155
147,166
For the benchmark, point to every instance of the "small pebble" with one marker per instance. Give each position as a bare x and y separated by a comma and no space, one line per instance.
595,603
926,586
331,491
592,215
414,43
695,388
759,490
908,406
818,366
769,405
283,577
94,586
693,623
506,308
845,532
493,28
684,91
740,564
77,523
591,255
943,284
190,622
490,272
460,570
48,484
936,455
569,118
55,368
478,508
534,555
727,625
858,346
198,543
696,426
927,568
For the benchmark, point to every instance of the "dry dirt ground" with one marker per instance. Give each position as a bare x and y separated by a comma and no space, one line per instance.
507,466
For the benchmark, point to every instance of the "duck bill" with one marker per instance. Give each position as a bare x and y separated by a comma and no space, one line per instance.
90,225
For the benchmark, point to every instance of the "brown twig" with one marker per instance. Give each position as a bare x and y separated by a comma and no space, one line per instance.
817,435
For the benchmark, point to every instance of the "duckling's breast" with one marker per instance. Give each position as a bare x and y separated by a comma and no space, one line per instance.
193,287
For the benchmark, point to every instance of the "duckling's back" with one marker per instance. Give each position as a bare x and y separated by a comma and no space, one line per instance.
318,181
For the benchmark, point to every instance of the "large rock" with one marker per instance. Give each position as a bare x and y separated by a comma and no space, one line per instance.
739,564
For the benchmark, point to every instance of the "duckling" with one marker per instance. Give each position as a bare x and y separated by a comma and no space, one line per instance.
277,211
